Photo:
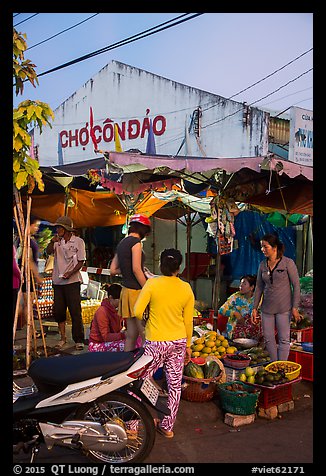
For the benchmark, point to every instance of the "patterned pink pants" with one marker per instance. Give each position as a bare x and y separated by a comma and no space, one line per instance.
170,355
114,346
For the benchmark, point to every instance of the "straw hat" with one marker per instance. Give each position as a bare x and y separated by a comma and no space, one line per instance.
65,222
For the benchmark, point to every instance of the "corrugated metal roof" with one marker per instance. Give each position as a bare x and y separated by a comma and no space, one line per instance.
279,130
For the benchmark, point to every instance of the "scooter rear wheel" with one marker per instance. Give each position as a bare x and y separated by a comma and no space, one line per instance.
133,416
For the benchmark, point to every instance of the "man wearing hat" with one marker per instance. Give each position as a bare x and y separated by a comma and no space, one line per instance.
69,256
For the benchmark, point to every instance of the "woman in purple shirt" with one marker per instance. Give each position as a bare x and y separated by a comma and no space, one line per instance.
278,290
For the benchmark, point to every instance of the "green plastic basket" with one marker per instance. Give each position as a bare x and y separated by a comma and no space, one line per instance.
242,402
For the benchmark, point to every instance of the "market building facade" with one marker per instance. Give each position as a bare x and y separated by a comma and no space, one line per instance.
133,98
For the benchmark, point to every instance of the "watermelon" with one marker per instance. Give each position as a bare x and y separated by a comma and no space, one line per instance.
211,369
198,360
193,370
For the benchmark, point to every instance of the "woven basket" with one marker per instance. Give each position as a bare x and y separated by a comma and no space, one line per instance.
199,389
242,402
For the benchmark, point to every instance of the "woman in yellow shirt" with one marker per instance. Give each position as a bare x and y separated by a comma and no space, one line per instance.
168,329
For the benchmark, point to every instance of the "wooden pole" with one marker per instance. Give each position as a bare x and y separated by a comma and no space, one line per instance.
39,317
28,287
217,280
20,287
23,241
19,209
66,200
24,246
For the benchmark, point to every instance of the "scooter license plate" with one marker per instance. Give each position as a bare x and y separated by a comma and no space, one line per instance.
150,391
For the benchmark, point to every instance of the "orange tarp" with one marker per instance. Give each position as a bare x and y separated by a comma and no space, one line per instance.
295,198
91,208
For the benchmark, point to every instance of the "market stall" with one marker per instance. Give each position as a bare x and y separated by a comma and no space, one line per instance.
243,379
111,187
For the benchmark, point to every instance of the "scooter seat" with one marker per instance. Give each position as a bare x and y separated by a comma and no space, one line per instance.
50,373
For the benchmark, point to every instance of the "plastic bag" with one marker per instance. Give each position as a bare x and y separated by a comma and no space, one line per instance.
49,264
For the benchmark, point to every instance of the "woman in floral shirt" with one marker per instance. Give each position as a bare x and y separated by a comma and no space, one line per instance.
234,316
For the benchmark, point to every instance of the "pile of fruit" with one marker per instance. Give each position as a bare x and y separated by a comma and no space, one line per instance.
285,367
258,355
263,377
248,375
89,307
238,357
211,343
241,392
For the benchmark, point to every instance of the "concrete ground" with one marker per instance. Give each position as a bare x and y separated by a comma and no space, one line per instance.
201,436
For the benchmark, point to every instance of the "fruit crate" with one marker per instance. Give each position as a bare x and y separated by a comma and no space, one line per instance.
306,360
273,396
233,374
302,335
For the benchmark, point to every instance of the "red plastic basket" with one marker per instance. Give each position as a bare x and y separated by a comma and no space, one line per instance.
302,335
306,360
270,397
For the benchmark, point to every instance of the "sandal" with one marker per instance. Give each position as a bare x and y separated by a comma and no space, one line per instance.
61,343
159,429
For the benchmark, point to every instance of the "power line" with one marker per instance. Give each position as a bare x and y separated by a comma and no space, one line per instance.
271,74
63,31
284,97
26,19
131,39
267,95
16,15
299,102
263,79
232,114
281,87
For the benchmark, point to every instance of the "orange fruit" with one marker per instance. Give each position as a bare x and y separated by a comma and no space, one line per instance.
207,350
210,343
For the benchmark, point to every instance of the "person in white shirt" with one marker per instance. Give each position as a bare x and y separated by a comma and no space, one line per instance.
69,256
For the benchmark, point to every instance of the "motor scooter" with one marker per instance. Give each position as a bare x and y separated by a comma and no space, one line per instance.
97,403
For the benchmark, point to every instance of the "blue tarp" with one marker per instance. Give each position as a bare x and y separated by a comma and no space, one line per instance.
246,258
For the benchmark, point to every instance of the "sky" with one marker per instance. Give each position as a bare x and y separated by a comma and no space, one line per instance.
221,53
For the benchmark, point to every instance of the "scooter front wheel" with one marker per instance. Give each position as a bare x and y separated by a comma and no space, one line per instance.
131,415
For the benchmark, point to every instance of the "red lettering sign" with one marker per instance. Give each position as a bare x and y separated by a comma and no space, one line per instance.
132,129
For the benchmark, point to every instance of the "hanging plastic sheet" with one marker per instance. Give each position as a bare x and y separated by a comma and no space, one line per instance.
250,227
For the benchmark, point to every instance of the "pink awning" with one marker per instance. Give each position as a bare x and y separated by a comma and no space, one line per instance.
200,164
